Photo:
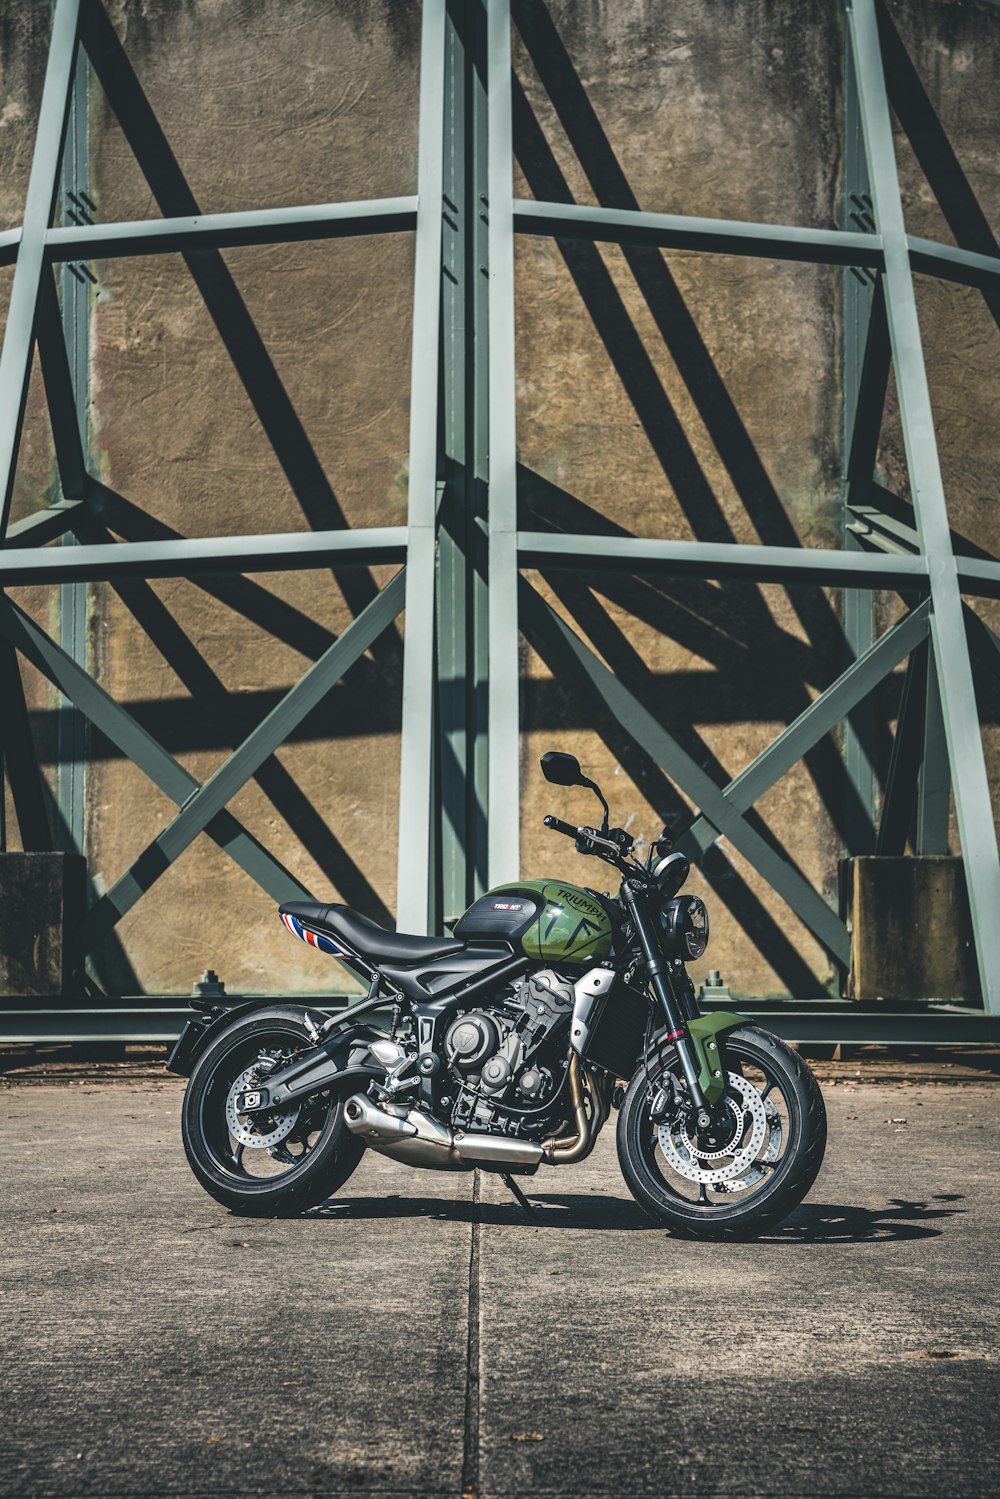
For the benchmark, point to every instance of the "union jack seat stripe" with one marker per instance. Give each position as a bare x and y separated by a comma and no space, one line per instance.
324,944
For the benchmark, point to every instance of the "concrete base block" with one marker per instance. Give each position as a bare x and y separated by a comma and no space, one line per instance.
42,902
911,935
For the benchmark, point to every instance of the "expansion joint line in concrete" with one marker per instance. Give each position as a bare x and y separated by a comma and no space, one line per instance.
473,1373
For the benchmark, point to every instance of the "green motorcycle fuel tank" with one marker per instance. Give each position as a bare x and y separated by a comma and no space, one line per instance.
545,920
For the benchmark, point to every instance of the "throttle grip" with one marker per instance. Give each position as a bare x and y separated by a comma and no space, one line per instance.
566,828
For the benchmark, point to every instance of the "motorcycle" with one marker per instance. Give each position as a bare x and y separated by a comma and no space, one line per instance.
504,1048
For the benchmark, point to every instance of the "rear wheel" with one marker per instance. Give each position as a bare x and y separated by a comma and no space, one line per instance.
755,1165
272,1165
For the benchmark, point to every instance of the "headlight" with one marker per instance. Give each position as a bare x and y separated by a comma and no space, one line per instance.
685,927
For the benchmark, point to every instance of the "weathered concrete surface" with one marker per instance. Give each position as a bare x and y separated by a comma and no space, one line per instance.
802,1364
673,395
152,1344
911,934
157,1345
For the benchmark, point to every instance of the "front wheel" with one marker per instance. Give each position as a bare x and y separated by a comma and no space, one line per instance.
265,1165
752,1168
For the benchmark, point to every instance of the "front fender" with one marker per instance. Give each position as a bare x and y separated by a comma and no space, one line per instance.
707,1034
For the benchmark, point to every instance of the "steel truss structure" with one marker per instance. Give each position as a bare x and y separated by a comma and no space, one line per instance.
462,554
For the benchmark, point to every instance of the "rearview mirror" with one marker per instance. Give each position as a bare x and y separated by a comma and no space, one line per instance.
562,770
670,874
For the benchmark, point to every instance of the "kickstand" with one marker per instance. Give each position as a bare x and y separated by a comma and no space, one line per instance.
512,1186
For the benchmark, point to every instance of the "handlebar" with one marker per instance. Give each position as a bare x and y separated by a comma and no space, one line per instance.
588,840
566,828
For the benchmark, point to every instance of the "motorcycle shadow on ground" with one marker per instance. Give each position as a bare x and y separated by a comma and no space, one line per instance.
811,1223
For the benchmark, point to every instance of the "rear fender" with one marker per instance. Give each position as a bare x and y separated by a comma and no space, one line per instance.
201,1030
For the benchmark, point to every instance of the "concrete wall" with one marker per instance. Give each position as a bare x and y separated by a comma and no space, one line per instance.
678,395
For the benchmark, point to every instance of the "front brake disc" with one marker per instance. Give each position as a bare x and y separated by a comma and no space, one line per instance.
717,1167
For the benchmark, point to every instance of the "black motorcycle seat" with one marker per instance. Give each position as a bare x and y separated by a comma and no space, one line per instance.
366,937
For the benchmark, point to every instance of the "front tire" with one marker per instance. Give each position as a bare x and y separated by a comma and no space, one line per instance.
701,1191
281,1165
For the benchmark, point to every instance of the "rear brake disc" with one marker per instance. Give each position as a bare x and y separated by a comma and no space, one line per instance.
258,1131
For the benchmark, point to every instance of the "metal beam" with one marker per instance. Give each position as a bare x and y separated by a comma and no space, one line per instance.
158,1020
823,714
948,263
60,395
884,1025
864,379
64,349
286,551
576,657
45,525
819,566
504,695
671,231
229,231
237,769
414,873
19,331
462,604
978,577
118,725
958,700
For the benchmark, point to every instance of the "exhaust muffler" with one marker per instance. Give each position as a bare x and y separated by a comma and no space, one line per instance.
419,1140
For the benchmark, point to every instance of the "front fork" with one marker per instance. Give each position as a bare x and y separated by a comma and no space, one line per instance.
697,1038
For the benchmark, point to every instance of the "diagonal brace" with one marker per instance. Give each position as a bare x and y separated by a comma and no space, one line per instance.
638,722
19,333
118,725
210,799
818,719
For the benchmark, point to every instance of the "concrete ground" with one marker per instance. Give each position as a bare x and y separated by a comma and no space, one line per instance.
417,1336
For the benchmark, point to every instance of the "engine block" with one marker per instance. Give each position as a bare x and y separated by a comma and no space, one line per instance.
498,1056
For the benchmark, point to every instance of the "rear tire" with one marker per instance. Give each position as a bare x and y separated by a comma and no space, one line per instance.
327,1160
784,1181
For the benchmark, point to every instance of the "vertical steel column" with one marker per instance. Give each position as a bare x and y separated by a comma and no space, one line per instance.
954,672
858,603
463,659
19,333
75,304
504,777
414,879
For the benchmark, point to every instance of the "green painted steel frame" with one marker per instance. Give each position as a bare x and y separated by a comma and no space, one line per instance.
462,550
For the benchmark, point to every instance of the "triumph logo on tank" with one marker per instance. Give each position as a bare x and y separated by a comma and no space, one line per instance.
575,899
